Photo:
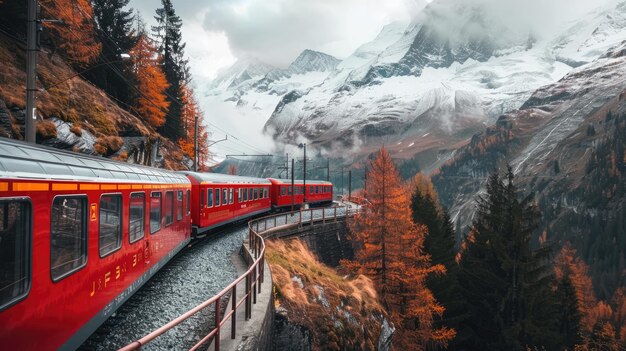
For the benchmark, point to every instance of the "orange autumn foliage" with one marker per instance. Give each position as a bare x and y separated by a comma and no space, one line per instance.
151,104
76,34
619,312
189,112
389,250
568,261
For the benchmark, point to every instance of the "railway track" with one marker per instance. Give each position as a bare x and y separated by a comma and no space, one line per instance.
196,274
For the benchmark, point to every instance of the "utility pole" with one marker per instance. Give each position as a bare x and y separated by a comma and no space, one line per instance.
31,73
293,189
195,144
304,178
365,179
328,169
342,188
350,185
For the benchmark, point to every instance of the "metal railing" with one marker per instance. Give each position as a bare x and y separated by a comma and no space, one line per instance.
253,277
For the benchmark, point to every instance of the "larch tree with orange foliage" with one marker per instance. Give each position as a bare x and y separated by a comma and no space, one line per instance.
151,103
189,112
602,324
75,35
389,250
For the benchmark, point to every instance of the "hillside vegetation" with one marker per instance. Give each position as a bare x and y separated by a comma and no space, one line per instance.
105,85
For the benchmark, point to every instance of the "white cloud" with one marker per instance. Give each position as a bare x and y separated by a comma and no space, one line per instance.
276,31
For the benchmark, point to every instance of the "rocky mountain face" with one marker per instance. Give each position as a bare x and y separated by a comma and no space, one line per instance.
447,75
567,145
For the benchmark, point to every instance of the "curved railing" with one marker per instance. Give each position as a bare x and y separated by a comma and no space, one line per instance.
252,278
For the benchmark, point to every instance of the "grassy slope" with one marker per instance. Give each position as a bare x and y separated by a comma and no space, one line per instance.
76,100
342,313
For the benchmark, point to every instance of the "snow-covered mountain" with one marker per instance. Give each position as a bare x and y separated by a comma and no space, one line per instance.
243,70
422,88
452,71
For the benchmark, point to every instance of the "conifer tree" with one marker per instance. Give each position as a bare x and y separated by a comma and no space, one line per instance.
389,250
439,243
506,283
569,313
116,33
74,34
168,34
151,104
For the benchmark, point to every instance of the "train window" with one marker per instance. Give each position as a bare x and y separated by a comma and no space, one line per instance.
217,196
256,193
169,208
239,196
110,224
15,243
225,197
245,194
68,235
202,198
267,193
188,202
289,190
155,212
209,198
283,190
231,196
179,204
136,218
250,194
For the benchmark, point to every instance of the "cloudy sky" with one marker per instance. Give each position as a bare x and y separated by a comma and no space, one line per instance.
276,31
217,32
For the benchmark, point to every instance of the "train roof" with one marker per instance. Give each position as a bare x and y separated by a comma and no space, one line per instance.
300,181
23,160
218,178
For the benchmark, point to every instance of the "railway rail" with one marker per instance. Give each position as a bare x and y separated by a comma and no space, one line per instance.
244,289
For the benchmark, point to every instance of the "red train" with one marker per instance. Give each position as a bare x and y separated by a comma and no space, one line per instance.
317,192
79,235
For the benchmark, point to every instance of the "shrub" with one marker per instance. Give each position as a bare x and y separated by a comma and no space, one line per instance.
46,130
76,129
108,145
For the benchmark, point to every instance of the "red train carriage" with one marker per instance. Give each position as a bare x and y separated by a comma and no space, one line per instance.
78,235
317,192
220,199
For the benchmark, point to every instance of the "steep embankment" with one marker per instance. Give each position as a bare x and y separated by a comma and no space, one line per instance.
318,308
74,114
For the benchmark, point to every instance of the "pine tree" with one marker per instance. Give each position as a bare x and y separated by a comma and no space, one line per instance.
389,250
117,35
506,283
569,313
440,245
168,33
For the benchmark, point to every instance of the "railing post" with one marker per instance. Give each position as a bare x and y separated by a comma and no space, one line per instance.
233,321
311,216
300,222
324,215
254,282
217,323
248,297
275,221
262,263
